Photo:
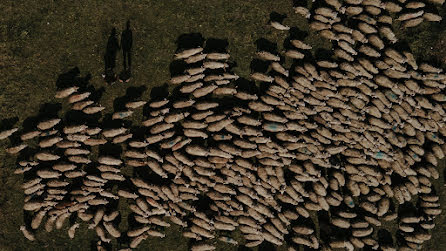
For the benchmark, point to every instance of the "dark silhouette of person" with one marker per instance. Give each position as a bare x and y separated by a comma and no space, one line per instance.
110,56
126,44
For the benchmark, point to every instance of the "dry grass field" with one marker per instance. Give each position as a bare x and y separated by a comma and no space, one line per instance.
39,40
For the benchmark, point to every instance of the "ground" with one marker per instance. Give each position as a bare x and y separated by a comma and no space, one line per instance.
39,41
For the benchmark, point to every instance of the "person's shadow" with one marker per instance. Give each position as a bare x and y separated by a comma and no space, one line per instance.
126,45
110,57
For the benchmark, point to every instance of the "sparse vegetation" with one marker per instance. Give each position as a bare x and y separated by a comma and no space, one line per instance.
39,41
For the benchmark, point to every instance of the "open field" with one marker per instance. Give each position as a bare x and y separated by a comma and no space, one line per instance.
39,41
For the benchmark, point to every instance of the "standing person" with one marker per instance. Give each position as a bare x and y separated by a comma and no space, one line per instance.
110,57
126,44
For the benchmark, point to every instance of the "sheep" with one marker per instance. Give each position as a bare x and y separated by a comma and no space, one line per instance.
74,174
214,65
196,150
76,151
127,194
202,247
66,92
93,109
106,168
201,231
122,138
294,54
196,58
94,142
122,114
217,56
67,144
77,137
188,53
155,167
25,136
16,149
28,235
79,106
37,219
44,125
135,104
262,77
112,176
108,160
47,174
78,97
279,26
137,240
72,229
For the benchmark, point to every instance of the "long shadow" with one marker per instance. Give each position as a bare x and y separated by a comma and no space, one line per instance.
444,176
407,209
318,4
68,78
46,111
30,123
246,85
266,246
49,110
73,117
385,237
216,45
78,117
110,149
277,17
156,94
202,204
159,92
326,230
300,3
139,132
177,67
108,123
264,44
96,94
324,54
72,78
83,82
110,56
151,177
220,46
132,93
123,241
126,46
258,65
8,123
296,33
26,154
243,248
189,40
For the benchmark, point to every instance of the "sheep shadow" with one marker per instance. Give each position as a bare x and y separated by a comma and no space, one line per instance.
132,93
264,44
46,111
156,94
277,17
68,78
189,41
8,123
216,45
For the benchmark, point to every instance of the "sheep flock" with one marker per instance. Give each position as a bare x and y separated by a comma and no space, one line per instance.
327,153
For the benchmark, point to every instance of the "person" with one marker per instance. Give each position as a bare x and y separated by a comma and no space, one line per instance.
110,57
126,44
